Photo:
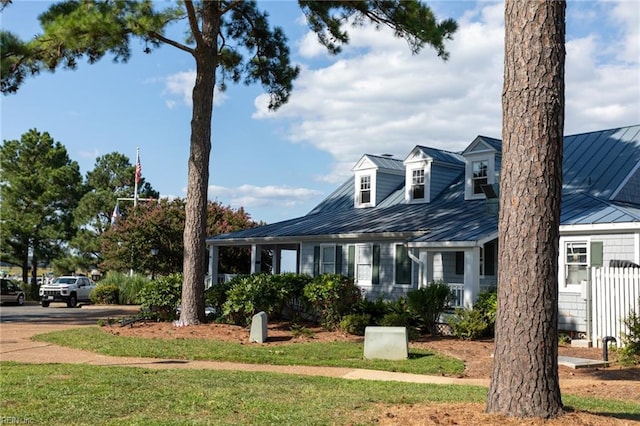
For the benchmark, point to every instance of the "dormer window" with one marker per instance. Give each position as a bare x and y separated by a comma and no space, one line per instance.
480,175
417,184
365,190
483,160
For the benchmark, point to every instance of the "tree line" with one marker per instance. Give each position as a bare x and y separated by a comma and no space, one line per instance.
52,215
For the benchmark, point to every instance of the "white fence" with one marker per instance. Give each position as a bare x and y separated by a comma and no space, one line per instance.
614,295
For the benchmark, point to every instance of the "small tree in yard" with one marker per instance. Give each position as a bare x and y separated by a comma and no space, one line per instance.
228,40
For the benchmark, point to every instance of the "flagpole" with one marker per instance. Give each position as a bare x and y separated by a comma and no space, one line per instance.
137,177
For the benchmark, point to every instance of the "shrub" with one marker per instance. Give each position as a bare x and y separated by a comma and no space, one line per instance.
105,294
290,290
355,323
468,324
129,287
376,309
249,295
630,352
332,297
216,296
487,305
427,303
162,296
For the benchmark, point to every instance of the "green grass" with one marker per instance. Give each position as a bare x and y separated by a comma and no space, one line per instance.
89,395
332,354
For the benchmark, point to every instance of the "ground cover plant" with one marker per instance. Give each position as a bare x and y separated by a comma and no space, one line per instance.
89,395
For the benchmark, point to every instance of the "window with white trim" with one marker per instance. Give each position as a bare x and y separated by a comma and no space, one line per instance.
576,263
364,196
327,259
417,184
364,263
480,175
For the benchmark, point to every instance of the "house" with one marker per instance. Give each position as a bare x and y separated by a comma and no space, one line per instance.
397,225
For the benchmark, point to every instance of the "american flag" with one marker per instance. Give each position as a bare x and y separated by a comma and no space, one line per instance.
138,169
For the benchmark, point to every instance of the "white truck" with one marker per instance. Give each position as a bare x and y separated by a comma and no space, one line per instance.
68,289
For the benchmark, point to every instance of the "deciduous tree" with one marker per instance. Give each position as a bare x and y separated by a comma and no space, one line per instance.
524,382
228,40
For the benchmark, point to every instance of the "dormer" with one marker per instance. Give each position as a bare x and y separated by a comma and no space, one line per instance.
375,178
483,160
428,171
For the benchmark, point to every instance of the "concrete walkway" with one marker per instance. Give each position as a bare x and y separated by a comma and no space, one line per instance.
16,345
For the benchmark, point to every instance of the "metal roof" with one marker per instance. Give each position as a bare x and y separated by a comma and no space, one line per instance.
595,166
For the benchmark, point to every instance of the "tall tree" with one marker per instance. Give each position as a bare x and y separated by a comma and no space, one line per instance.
227,39
524,382
40,187
111,178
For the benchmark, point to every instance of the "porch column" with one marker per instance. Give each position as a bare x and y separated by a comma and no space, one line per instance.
213,264
256,252
471,275
429,268
277,259
423,269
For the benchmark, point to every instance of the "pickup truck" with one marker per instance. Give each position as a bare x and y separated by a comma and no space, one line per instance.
68,289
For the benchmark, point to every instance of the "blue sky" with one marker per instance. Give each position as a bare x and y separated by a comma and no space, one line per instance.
373,98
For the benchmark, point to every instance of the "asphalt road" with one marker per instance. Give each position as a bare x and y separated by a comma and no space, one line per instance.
58,313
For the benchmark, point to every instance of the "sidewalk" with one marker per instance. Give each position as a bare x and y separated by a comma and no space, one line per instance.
15,345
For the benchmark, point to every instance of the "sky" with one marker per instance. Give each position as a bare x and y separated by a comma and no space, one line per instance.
374,98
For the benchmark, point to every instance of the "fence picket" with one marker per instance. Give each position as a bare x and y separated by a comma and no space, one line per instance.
614,295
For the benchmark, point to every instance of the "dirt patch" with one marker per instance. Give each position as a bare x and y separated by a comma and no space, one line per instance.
614,382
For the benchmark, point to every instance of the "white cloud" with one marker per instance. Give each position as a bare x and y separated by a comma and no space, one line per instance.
181,84
89,154
378,98
249,196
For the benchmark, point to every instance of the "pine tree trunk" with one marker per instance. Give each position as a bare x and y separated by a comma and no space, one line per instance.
524,381
192,311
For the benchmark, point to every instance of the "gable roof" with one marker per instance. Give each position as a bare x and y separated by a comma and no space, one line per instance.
379,162
599,168
426,153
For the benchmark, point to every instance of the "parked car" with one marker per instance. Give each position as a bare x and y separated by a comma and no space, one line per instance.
10,292
68,289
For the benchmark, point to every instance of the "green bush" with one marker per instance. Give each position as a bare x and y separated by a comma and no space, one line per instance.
160,298
290,294
427,303
105,294
376,309
332,297
355,323
129,287
468,324
216,296
629,354
249,295
487,305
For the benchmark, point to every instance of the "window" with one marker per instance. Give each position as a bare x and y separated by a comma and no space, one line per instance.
479,169
366,266
365,189
576,262
417,184
403,265
328,260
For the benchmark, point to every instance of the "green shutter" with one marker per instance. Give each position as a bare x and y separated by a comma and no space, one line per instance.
375,273
403,265
351,263
339,260
459,263
490,258
316,261
597,258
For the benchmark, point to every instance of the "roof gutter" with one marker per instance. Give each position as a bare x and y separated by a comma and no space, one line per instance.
367,236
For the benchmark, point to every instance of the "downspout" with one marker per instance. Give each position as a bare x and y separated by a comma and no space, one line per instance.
420,265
